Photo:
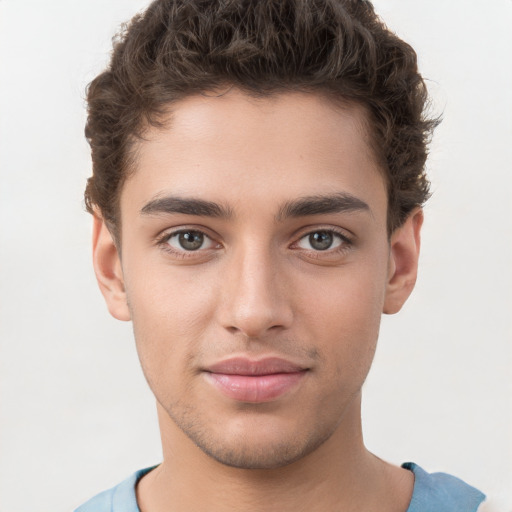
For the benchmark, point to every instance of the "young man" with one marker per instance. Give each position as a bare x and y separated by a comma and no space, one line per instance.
257,190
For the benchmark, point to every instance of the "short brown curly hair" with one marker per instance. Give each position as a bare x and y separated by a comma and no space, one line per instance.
340,48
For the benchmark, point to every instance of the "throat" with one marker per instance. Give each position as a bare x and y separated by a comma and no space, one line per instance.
372,485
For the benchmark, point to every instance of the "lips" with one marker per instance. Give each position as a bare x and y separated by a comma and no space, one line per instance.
247,380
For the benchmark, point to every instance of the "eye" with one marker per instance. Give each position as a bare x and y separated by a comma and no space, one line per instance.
321,240
189,240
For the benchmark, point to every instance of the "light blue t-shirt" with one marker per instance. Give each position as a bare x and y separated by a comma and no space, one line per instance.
433,492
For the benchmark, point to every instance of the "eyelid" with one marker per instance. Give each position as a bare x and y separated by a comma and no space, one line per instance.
327,255
347,238
162,239
344,234
171,231
338,240
176,234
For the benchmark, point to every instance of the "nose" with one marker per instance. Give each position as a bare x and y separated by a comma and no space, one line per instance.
255,297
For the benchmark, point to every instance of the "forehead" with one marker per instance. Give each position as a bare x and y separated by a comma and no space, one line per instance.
227,146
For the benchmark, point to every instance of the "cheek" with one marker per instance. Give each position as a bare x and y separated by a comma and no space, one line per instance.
345,317
166,297
169,312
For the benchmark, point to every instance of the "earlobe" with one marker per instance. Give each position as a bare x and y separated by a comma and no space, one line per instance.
108,270
403,262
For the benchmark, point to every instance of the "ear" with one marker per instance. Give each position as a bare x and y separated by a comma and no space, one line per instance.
403,262
108,270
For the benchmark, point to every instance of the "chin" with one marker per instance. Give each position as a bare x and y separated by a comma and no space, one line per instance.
257,448
270,456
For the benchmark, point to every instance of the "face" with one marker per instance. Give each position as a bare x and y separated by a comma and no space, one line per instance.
255,267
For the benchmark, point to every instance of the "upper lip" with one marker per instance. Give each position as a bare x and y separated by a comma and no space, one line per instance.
251,367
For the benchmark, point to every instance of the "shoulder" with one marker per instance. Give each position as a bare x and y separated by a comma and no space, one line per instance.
440,492
121,498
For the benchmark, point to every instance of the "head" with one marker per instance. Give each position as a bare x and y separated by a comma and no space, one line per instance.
258,177
336,48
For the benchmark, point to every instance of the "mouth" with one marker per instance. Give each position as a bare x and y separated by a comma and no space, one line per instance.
246,380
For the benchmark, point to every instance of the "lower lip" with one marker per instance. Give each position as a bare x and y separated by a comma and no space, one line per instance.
255,389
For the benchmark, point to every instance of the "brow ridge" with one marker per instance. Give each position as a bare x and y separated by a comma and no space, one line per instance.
322,204
302,207
186,206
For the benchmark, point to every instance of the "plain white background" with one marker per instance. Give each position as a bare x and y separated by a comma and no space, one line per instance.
75,413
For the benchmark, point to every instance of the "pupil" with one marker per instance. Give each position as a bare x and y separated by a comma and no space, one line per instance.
191,240
321,240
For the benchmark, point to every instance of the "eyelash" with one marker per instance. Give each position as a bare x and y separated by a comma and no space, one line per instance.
163,243
346,242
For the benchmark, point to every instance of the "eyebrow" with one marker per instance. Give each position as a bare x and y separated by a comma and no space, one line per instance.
317,205
188,206
302,207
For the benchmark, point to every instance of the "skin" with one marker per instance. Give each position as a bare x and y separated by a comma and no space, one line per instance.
259,286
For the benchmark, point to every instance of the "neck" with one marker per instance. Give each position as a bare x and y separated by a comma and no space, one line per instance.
339,475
